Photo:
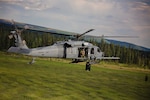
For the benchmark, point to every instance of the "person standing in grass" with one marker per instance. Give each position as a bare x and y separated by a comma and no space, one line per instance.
88,66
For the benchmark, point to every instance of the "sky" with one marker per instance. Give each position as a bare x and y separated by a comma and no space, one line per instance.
107,17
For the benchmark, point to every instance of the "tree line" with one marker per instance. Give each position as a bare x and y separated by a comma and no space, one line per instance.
127,55
38,39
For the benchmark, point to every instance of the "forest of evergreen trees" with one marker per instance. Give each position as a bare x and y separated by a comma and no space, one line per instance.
37,39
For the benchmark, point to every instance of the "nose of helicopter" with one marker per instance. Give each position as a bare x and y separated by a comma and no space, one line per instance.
99,55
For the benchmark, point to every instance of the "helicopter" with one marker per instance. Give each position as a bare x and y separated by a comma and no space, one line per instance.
76,49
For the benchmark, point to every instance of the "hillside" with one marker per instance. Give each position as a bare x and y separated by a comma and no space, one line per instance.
70,34
129,45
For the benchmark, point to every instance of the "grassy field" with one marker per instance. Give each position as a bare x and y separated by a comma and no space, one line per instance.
56,79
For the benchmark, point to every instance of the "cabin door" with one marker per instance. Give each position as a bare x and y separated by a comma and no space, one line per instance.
83,52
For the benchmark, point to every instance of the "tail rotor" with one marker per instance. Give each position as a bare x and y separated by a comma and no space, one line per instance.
16,33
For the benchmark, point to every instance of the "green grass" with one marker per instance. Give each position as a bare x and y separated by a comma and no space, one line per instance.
56,79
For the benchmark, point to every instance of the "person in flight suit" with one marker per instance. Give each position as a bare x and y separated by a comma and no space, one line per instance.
88,66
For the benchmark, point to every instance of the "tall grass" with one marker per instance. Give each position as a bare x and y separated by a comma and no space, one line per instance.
57,79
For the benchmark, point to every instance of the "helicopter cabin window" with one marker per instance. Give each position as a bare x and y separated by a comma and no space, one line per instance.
92,50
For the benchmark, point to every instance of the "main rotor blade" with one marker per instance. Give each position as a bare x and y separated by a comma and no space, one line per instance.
78,36
117,36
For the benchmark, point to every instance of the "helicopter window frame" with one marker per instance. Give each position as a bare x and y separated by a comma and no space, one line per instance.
98,50
92,50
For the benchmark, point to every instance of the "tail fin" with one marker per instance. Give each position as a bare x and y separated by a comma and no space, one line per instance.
17,35
20,44
18,40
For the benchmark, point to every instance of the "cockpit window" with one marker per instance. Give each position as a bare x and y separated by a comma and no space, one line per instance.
92,50
98,50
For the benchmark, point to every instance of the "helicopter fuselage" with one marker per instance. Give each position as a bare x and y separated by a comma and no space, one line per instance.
64,49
